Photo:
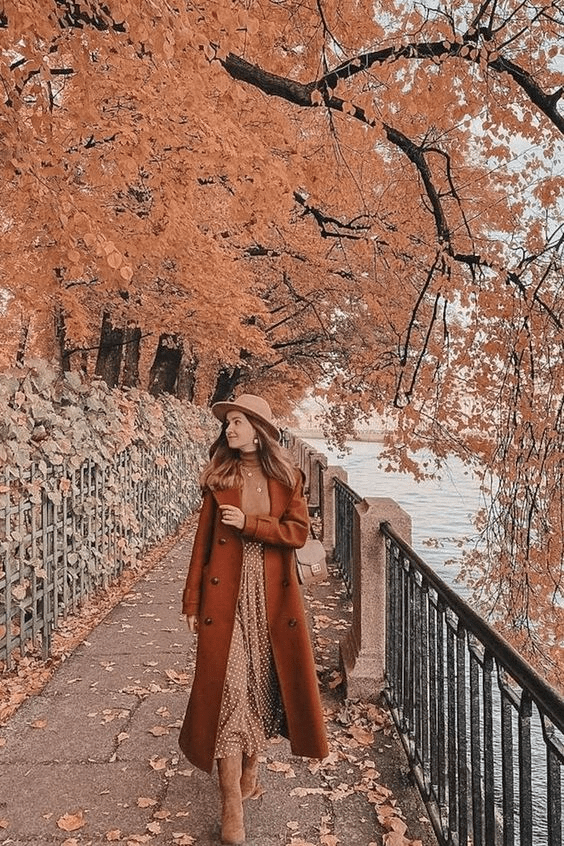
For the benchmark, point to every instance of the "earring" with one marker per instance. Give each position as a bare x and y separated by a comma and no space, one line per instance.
255,440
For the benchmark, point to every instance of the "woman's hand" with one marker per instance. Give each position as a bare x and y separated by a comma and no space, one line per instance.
192,621
232,516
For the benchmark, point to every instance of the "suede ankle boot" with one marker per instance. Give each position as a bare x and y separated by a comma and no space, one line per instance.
250,788
232,825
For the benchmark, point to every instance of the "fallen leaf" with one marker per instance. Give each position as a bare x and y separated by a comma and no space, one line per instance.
70,841
39,724
123,735
385,813
71,822
280,767
183,840
307,791
341,792
178,678
329,839
363,736
144,802
157,763
115,834
154,827
398,825
395,839
158,731
4,823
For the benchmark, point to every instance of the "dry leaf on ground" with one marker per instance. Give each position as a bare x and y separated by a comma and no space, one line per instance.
154,827
178,678
71,822
363,736
145,802
280,767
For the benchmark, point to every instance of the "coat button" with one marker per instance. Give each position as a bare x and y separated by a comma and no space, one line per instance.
215,580
208,621
222,541
285,583
292,622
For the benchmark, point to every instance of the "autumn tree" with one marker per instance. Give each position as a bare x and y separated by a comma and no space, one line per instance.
362,199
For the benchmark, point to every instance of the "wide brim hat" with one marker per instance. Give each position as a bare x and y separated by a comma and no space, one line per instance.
252,407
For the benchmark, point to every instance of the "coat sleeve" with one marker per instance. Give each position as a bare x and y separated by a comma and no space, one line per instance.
200,555
291,529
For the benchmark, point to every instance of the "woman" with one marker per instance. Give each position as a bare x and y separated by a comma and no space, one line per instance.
255,675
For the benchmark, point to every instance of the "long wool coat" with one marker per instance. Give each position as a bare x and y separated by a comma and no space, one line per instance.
211,591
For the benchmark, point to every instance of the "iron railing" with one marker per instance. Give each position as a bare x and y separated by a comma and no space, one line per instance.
343,555
64,539
313,465
484,733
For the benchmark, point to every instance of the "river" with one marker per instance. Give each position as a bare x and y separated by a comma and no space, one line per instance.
441,509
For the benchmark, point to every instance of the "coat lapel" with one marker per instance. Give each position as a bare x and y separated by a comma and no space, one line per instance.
229,496
279,496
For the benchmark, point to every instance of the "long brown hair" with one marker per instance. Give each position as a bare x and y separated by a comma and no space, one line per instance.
224,467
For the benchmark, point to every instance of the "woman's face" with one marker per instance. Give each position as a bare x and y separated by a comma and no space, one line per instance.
239,432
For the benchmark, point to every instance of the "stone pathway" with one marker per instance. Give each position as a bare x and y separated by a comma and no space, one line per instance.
94,759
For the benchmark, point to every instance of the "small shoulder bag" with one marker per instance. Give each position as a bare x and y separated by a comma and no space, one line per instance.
311,561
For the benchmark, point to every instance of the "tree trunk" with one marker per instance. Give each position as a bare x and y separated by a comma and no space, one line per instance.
108,363
24,334
61,340
130,374
186,383
164,372
227,381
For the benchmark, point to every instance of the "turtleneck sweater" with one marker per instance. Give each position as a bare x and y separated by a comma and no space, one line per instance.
254,497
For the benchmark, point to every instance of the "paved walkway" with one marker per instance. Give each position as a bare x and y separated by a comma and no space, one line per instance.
94,759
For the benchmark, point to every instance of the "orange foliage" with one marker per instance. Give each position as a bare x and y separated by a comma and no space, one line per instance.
321,194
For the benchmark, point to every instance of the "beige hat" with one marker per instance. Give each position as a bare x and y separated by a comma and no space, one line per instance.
251,406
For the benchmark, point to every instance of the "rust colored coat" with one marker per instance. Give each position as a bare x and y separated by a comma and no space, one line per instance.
211,591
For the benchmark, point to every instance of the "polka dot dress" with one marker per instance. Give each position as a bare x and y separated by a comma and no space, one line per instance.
251,709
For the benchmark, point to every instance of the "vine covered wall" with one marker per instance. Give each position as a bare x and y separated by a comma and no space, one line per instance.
90,478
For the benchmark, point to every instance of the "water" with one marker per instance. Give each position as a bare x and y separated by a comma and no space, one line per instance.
441,510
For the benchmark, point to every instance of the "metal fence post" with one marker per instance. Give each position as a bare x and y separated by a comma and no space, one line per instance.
363,650
329,511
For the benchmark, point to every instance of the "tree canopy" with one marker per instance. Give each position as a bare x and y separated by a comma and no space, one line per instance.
363,199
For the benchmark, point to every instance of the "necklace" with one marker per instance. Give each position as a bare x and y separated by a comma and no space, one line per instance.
249,468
